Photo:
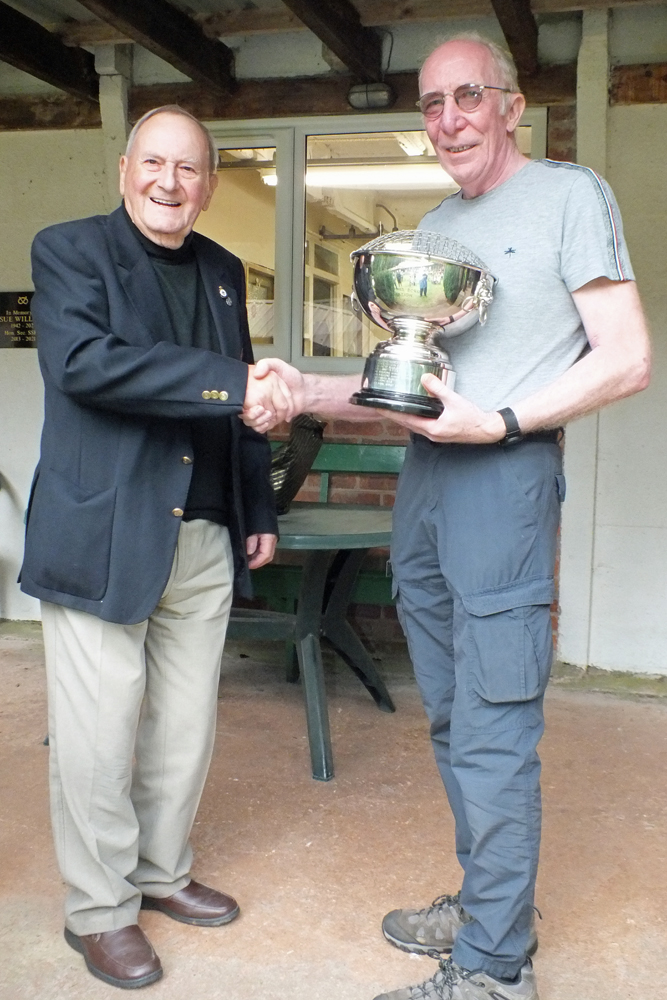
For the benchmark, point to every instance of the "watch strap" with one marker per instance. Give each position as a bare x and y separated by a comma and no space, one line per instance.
513,433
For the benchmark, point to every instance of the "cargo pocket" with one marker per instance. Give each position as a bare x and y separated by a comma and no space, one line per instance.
68,540
510,652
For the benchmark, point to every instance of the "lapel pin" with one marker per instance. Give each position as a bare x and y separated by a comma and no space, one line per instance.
228,301
223,291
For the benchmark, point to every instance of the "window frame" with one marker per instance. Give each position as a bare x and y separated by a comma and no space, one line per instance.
289,137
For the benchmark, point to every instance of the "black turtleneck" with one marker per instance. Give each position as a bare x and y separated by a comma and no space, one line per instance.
209,496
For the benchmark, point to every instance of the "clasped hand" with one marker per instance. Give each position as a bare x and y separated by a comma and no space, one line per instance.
268,400
271,382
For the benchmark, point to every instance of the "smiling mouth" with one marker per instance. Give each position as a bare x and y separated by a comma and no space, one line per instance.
167,204
459,149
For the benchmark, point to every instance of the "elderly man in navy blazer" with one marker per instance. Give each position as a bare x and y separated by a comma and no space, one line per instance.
151,499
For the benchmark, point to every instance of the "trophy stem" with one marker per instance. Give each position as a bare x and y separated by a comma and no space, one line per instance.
410,329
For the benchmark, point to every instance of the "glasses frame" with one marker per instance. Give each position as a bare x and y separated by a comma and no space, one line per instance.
453,93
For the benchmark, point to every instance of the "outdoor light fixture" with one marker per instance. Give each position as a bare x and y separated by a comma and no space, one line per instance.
366,96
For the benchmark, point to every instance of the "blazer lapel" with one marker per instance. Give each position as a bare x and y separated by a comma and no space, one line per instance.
223,299
138,278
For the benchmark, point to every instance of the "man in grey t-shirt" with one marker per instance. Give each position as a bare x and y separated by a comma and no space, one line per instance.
475,524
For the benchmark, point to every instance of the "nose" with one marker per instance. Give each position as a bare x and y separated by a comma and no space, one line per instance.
451,118
168,178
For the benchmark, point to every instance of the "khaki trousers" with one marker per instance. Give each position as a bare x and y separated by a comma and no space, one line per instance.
132,711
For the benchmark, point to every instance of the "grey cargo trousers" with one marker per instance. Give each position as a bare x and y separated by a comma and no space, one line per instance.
473,552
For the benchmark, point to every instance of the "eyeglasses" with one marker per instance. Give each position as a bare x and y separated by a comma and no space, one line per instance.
468,97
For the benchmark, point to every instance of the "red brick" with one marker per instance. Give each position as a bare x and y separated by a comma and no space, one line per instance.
355,496
377,482
365,610
561,133
345,482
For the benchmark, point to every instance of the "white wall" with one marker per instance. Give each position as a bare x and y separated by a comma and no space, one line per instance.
45,177
629,595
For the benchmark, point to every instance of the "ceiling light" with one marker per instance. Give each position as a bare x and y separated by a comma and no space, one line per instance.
374,177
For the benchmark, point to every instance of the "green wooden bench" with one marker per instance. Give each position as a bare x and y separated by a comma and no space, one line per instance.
278,584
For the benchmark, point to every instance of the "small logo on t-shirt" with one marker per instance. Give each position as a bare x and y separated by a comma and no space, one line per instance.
510,251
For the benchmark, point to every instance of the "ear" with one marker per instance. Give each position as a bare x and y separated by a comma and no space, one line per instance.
122,166
516,109
212,185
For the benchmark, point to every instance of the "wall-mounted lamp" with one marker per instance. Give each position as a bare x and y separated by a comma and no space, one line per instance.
366,96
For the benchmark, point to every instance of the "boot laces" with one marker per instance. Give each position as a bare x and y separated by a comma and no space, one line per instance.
445,900
441,985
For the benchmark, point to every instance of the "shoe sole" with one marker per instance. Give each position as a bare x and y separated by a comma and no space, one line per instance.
150,903
415,948
123,984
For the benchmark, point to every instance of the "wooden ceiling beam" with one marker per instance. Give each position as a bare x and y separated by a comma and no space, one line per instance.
520,30
372,13
336,23
28,46
645,83
282,98
173,36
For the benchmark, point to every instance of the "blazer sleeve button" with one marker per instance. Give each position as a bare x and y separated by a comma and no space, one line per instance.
206,394
177,512
186,460
215,394
223,395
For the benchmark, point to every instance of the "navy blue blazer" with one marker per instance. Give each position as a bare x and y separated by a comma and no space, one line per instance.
119,402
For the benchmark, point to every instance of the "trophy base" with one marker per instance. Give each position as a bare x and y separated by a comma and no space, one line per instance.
418,406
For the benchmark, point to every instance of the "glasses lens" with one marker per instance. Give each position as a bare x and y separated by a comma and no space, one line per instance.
431,105
468,98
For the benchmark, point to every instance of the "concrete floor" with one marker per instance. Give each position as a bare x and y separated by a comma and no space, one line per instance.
315,866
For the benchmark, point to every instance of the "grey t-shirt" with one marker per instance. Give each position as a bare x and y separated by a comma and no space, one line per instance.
548,230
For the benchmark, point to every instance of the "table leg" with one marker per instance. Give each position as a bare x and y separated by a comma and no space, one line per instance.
341,635
307,641
317,715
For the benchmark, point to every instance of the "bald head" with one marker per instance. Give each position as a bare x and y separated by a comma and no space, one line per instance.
474,141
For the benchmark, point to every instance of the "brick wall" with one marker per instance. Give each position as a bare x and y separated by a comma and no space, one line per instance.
562,132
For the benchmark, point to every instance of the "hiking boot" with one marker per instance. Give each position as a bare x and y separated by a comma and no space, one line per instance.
454,983
434,929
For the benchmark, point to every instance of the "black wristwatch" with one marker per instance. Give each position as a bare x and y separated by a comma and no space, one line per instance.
513,433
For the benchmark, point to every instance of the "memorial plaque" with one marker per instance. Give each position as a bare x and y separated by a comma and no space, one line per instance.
16,327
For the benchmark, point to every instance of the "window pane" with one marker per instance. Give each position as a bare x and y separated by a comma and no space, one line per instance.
242,217
357,187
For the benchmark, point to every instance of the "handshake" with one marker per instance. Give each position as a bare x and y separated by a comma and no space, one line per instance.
275,392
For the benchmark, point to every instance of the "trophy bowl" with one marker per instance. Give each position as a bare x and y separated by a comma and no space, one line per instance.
423,288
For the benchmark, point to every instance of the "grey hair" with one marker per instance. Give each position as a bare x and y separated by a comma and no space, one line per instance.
502,60
174,109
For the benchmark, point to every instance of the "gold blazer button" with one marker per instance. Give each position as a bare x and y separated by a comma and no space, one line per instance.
177,512
186,460
215,394
223,395
206,394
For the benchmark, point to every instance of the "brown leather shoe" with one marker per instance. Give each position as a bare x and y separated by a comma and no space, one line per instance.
195,904
123,958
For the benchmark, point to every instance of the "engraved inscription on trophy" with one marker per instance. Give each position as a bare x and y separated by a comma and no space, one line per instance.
424,288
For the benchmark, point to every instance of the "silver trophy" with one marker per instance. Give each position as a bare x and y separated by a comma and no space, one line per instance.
424,288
